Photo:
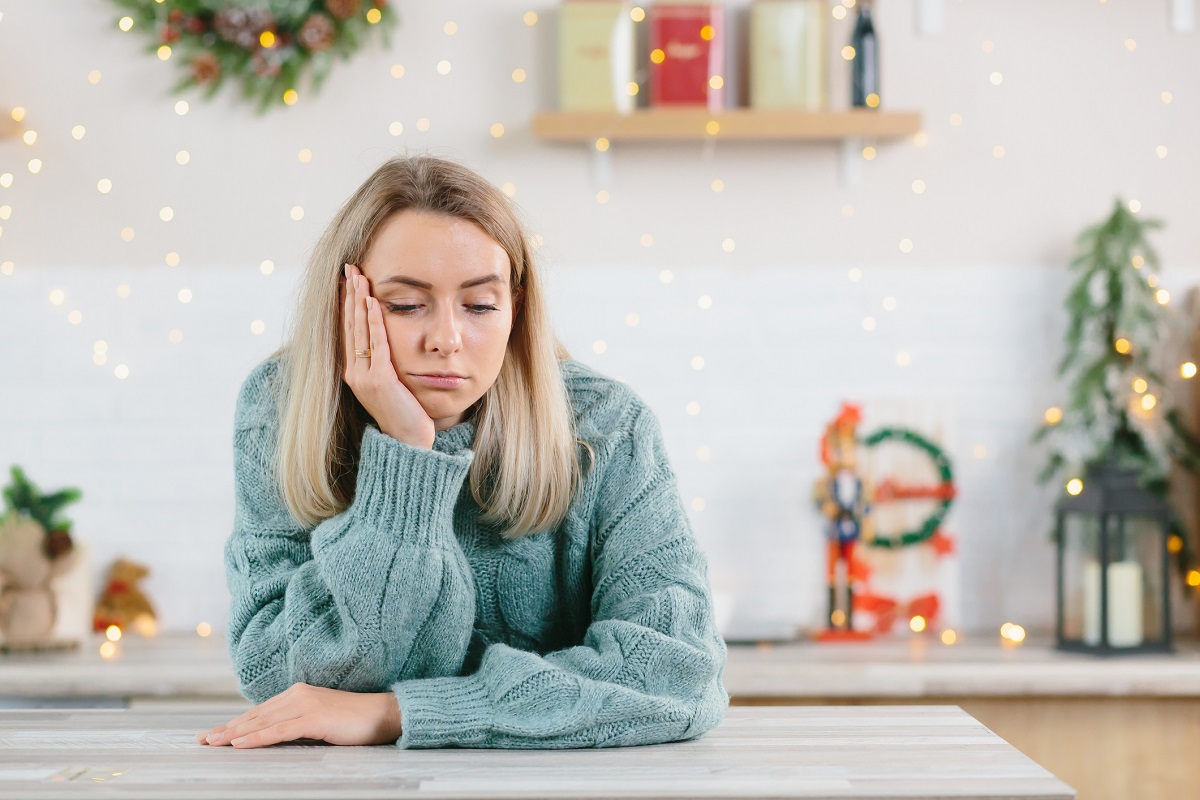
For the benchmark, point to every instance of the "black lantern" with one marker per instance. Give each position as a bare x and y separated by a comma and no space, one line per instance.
1113,566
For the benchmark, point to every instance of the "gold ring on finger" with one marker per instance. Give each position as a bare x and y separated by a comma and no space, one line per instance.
363,353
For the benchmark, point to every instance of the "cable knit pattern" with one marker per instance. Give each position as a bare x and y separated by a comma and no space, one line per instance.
597,633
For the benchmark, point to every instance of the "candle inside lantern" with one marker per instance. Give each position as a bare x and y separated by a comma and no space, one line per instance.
1124,604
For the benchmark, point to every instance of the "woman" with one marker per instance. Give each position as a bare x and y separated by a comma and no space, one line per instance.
448,532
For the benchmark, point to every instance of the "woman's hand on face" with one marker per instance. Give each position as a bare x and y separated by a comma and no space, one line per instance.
373,380
312,712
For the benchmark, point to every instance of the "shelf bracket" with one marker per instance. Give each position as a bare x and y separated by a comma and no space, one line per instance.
1183,16
928,16
602,171
852,162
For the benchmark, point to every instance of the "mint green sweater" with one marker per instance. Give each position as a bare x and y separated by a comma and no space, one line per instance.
596,633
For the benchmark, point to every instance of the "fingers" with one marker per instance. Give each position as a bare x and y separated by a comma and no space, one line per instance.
347,293
272,734
381,355
362,334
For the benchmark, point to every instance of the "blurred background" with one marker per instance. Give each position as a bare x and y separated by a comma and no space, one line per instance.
150,248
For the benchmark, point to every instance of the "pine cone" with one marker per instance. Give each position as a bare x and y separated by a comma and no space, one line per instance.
342,9
242,27
317,33
205,67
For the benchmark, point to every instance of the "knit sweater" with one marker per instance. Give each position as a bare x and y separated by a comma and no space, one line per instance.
596,633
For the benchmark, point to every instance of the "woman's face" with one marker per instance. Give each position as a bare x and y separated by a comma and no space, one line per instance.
443,288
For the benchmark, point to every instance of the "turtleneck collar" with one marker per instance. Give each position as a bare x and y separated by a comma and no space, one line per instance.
455,438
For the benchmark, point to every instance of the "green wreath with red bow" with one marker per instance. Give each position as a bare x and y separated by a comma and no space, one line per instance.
270,47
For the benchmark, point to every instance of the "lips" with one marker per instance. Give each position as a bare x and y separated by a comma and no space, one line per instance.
446,381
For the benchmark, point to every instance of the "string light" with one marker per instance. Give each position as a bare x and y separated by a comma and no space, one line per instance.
979,451
646,240
1174,544
657,56
518,75
181,107
718,185
266,267
889,304
998,151
291,96
1148,401
395,129
172,259
35,165
632,319
906,245
949,637
1122,346
712,127
164,52
397,71
297,213
918,186
1074,487
631,88
1135,206
1140,385
697,363
693,408
203,629
1161,151
1193,578
868,323
497,130
848,53
127,234
1130,45
728,245
1162,296
847,210
450,28
113,633
698,504
29,137
509,188
666,276
121,372
423,124
175,336
903,358
530,18
305,155
182,158
443,67
1187,369
94,77
987,45
956,120
869,153
637,13
185,295
839,12
374,15
855,274
108,650
599,346
104,186
602,196
917,624
1166,98
996,78
703,453
258,326
166,213
705,302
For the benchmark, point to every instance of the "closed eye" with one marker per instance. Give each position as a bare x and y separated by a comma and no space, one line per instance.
474,309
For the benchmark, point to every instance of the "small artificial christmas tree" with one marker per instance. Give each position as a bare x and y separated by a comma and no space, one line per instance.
1118,412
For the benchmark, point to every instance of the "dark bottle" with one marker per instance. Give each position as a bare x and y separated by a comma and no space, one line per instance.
864,79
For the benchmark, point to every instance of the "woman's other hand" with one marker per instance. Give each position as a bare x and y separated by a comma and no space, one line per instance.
312,712
373,380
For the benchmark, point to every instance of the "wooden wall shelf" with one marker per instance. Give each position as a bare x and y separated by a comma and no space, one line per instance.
738,124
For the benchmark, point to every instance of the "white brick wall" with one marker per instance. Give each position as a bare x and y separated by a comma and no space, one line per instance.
783,347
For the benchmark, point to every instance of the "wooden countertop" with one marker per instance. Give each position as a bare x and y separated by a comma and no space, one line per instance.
978,667
802,752
178,665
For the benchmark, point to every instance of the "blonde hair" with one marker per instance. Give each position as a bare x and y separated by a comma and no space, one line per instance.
526,468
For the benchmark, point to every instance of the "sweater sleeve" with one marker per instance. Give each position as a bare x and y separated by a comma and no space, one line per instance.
376,593
650,665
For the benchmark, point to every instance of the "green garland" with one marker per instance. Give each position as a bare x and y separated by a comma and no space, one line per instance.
941,462
268,46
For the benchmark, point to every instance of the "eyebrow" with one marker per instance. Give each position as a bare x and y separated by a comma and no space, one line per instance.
423,285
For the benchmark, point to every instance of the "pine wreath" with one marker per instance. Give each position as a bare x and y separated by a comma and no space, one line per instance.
268,46
942,492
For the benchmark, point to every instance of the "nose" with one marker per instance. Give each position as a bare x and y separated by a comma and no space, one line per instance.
443,335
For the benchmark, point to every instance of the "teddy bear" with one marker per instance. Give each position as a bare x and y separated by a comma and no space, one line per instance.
122,602
27,603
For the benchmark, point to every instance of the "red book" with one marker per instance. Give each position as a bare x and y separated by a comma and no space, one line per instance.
687,64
